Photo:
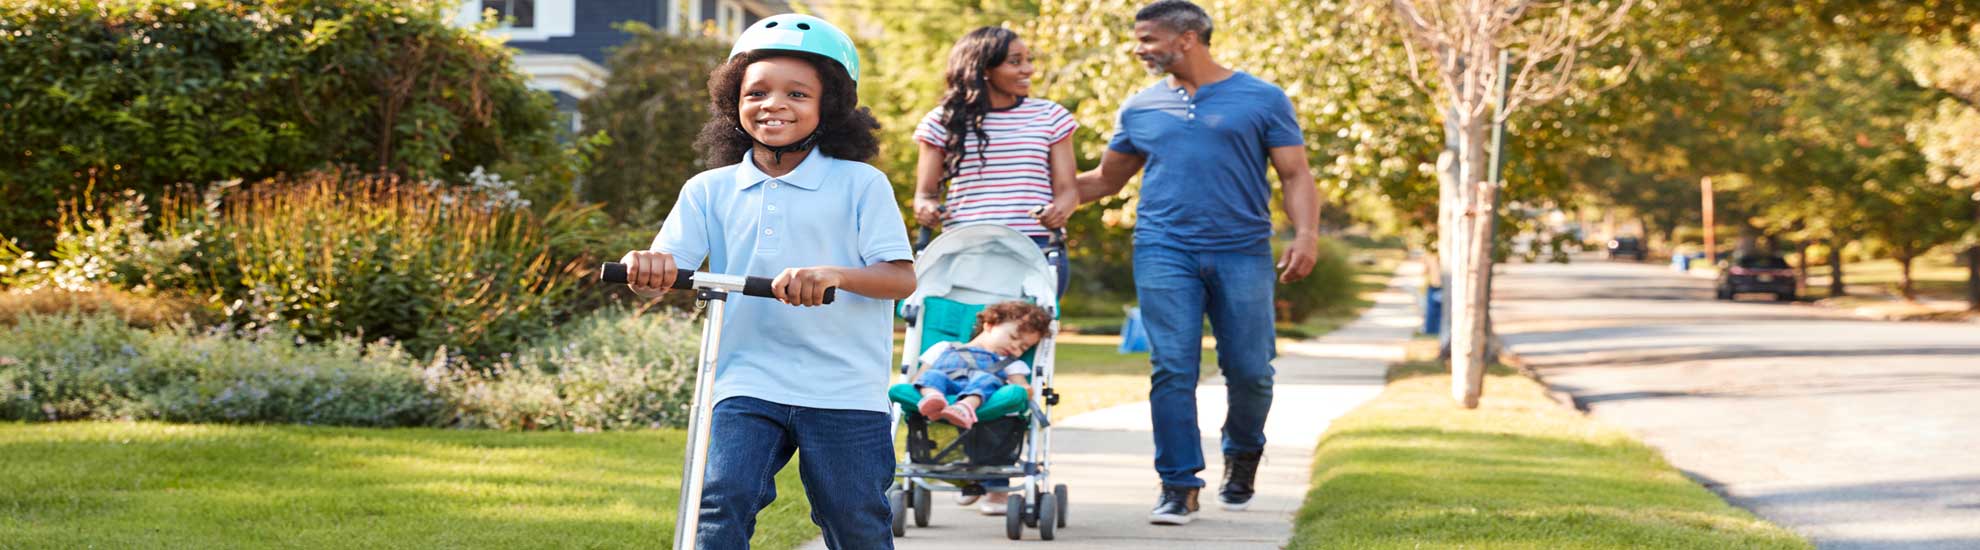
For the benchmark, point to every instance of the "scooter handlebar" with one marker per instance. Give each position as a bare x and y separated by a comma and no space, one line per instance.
615,272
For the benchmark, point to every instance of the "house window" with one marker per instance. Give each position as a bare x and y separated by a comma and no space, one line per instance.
523,12
729,18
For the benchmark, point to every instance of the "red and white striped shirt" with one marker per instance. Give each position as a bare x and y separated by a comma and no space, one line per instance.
1003,180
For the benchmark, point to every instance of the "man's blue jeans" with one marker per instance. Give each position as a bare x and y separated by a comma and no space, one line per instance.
848,465
1177,289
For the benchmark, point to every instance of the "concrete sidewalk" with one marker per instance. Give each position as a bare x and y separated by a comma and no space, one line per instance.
1106,457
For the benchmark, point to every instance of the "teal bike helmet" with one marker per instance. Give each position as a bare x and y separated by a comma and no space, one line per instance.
800,33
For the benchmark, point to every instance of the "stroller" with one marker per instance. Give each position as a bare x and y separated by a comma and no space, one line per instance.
957,275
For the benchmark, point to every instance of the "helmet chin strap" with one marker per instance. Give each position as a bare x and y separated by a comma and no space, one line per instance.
777,151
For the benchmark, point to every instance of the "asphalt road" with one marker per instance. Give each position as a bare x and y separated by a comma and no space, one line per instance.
1857,434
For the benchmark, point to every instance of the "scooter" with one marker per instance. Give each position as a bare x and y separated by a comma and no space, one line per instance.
710,289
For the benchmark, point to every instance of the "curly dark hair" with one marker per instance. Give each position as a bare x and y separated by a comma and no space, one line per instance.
846,131
1030,317
967,100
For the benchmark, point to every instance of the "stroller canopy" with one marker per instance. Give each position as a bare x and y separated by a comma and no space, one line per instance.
984,264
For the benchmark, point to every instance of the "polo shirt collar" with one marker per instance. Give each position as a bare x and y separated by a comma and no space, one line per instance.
809,174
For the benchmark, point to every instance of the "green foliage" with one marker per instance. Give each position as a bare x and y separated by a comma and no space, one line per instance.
71,367
608,371
651,109
611,371
1367,130
1330,287
375,258
94,248
108,95
325,256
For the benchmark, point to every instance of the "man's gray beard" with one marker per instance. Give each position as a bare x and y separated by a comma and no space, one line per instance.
1160,65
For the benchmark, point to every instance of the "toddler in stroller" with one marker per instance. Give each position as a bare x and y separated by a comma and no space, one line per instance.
982,293
956,379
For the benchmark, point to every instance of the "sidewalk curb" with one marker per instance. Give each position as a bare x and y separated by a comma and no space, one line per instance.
1511,359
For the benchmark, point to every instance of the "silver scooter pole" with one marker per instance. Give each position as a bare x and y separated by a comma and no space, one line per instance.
712,289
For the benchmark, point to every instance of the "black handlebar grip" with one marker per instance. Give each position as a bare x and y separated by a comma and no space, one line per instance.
760,287
615,272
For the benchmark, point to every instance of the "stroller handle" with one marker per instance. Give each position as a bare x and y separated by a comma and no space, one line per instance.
684,279
924,235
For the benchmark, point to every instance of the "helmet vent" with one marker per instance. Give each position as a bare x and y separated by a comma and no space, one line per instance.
804,26
770,25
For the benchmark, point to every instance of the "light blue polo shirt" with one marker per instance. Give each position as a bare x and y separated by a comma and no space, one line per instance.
1204,185
827,212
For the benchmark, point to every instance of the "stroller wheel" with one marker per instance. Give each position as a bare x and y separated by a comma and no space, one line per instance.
1048,515
1014,517
1059,494
924,505
897,500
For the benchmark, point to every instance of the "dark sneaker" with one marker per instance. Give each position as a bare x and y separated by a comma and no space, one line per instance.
1177,506
1240,472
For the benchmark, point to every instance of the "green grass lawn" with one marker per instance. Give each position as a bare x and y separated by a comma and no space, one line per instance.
149,485
1410,470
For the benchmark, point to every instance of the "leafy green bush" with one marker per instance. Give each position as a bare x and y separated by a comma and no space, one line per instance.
72,367
1331,285
612,371
606,372
325,257
107,95
651,108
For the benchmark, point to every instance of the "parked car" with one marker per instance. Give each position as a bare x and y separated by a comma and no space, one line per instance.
1627,247
1757,273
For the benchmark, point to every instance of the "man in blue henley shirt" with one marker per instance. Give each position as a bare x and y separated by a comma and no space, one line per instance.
1202,241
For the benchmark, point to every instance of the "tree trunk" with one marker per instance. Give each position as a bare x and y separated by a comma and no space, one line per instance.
1801,272
1447,239
1473,268
1973,267
1904,277
1836,289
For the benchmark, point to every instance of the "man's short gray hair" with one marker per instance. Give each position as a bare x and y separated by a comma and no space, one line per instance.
1180,16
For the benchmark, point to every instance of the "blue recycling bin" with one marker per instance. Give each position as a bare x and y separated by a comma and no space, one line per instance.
1134,335
1433,310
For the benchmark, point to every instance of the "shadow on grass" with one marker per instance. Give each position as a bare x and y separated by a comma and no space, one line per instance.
1419,369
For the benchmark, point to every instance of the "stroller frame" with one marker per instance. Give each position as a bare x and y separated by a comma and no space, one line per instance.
1042,504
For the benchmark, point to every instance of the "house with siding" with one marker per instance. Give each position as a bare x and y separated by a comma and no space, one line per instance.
563,43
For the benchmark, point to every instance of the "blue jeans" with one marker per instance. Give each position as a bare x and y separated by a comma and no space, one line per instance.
979,384
1177,289
848,465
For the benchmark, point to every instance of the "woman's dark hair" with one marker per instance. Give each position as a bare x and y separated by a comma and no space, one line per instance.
846,131
967,100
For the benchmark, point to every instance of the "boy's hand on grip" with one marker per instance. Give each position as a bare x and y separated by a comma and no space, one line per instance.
805,286
649,272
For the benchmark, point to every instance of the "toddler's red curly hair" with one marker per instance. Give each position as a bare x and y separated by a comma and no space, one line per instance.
1030,317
